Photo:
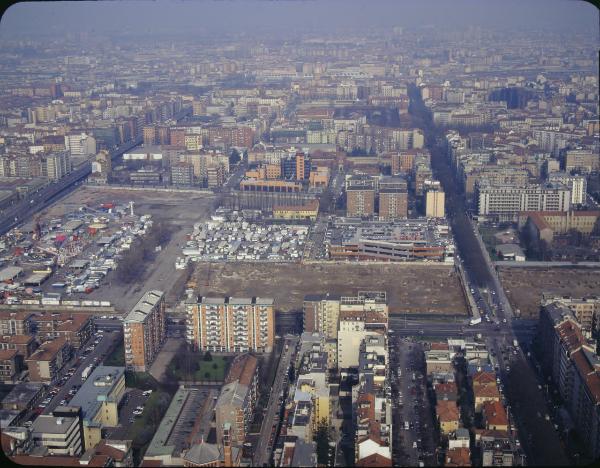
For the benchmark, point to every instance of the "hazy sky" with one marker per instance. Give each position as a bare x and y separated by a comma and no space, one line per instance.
324,15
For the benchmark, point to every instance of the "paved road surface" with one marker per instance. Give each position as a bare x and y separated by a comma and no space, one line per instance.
262,451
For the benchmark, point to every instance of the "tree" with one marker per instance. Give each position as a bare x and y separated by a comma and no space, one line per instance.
208,356
234,157
322,439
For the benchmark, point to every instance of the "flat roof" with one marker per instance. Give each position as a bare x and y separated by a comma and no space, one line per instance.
48,424
22,393
10,272
165,440
96,389
144,306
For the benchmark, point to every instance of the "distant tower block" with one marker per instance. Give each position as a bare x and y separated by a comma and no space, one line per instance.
131,208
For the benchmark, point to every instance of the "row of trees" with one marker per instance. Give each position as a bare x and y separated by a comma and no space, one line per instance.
131,266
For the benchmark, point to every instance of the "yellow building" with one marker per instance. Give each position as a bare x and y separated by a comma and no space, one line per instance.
434,204
99,399
308,211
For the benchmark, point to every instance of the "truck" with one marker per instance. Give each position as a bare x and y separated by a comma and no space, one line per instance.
475,321
86,373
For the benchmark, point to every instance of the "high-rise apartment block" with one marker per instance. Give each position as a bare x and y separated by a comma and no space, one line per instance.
360,201
231,324
145,331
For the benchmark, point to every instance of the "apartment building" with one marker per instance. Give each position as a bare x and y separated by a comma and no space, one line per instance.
576,183
582,160
504,202
230,324
15,323
321,312
237,400
575,370
585,309
360,202
354,328
76,328
56,165
144,331
393,203
46,362
10,365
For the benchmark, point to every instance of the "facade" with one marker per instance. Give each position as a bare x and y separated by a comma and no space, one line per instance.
231,324
144,331
360,202
15,323
505,202
182,174
46,362
545,224
10,365
99,398
59,435
576,183
393,203
56,165
304,212
434,204
575,370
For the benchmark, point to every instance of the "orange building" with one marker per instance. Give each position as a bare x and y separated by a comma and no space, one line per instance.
231,324
145,331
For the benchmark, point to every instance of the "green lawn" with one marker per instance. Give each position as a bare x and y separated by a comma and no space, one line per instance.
212,370
192,366
117,356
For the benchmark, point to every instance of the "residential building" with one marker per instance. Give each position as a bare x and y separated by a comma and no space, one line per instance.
144,330
231,324
15,323
544,225
360,202
448,416
46,362
494,416
393,203
576,183
10,365
236,402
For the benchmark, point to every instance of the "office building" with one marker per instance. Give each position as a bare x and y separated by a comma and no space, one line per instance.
99,398
231,324
144,331
59,435
504,202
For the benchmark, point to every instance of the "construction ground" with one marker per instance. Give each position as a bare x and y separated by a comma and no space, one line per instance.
411,287
524,286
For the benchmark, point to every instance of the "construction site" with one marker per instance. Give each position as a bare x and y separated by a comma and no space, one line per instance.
429,289
524,286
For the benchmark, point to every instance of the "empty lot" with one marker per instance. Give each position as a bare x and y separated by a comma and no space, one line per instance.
412,288
524,286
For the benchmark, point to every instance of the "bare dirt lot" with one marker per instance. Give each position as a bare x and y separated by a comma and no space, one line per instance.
524,286
412,288
178,210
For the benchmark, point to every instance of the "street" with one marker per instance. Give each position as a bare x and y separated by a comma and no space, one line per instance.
264,445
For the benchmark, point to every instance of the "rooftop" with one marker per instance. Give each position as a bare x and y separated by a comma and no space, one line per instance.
96,389
144,307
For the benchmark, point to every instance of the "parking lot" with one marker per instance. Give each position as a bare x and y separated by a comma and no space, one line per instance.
92,353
